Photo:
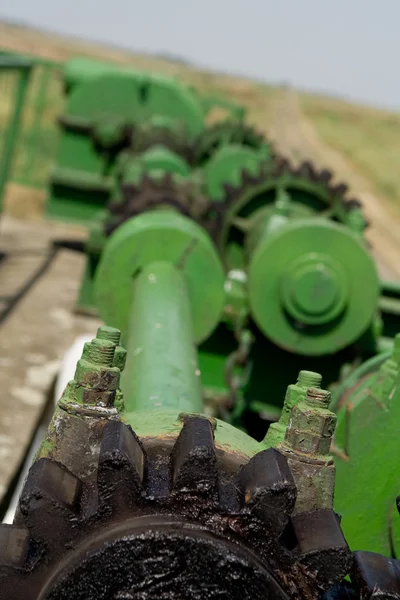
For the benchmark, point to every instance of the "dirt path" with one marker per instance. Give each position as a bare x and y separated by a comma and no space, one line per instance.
295,137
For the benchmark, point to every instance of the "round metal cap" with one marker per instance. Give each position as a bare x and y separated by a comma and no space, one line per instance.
154,236
313,288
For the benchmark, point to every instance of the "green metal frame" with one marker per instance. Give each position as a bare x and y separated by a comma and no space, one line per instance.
31,130
22,68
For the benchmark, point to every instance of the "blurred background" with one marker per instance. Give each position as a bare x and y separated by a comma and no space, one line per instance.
318,78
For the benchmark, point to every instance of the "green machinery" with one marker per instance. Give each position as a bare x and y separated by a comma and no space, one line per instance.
300,287
221,273
137,492
15,73
108,109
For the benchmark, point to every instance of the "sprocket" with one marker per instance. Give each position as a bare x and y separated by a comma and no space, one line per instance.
168,519
152,193
311,190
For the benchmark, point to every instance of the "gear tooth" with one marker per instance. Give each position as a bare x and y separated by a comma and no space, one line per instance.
230,191
247,177
376,576
146,181
276,168
305,169
313,172
325,176
268,488
322,546
340,189
13,586
51,481
352,204
115,208
167,180
283,166
194,463
50,504
14,545
122,467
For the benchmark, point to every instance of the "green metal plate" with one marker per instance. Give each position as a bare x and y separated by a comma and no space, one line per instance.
340,259
367,472
155,236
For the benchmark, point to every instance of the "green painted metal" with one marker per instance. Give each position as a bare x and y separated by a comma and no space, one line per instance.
301,273
156,161
154,424
307,445
36,142
226,167
367,447
154,236
15,72
109,109
295,393
102,103
162,369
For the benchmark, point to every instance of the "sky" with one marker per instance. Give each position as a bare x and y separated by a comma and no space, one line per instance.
348,48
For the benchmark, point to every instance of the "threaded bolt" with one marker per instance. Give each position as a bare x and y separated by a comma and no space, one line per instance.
109,333
100,352
120,358
309,379
318,397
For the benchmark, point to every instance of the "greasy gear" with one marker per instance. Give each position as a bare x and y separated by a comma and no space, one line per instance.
165,519
151,193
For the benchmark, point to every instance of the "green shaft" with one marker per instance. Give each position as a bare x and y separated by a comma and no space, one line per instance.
161,371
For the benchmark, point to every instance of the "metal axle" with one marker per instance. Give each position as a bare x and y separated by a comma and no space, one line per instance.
161,370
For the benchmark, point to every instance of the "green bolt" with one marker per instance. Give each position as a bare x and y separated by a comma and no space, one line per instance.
96,377
309,379
113,335
100,352
311,424
306,446
294,394
109,333
120,358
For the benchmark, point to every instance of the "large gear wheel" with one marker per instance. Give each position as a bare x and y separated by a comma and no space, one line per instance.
310,188
227,132
167,520
152,193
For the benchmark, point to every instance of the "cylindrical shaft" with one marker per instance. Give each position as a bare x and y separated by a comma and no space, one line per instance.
161,370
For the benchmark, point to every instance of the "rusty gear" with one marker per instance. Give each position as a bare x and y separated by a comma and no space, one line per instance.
271,176
152,193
